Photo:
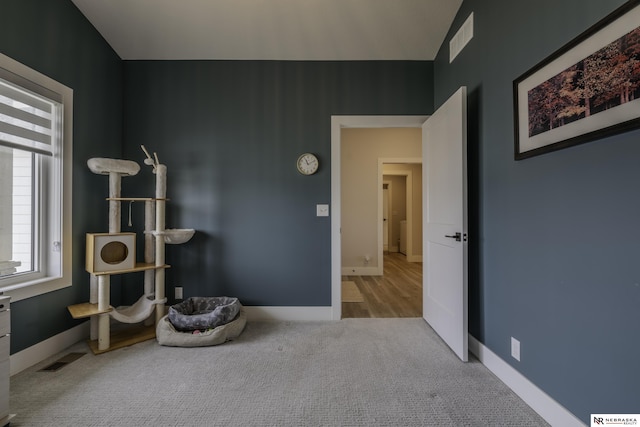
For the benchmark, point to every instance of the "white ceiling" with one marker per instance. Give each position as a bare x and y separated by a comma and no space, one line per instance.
272,29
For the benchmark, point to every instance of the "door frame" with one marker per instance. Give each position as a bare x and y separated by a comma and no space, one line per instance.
337,124
408,175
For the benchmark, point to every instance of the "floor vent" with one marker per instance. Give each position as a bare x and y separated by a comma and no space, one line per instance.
62,362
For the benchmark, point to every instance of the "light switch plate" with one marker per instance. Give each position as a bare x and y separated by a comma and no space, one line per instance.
322,210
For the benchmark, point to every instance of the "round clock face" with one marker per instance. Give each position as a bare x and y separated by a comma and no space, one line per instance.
307,164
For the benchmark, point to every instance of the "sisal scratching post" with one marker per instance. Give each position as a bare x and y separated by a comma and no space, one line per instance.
114,205
161,194
103,319
93,299
149,250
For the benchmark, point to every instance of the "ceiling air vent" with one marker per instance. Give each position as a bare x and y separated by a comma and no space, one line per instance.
462,37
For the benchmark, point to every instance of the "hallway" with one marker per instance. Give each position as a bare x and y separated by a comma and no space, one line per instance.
398,293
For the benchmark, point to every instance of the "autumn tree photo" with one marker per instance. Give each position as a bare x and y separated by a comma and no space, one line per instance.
605,79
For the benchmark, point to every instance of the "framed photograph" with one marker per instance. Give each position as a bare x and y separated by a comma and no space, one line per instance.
588,89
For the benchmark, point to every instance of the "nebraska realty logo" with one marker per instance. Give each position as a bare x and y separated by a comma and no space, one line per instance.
614,419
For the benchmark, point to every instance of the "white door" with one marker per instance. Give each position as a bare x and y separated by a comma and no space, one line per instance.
444,149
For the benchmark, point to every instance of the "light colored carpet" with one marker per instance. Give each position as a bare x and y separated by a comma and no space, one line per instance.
353,372
350,292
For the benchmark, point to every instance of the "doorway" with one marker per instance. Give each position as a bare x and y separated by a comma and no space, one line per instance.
338,123
396,293
405,207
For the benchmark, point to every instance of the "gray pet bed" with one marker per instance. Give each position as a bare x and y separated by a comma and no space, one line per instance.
200,321
201,313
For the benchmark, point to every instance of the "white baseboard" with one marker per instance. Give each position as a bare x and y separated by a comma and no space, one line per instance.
37,353
554,413
414,258
288,313
361,271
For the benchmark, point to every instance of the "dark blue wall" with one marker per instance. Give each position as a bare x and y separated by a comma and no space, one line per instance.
555,254
230,133
54,38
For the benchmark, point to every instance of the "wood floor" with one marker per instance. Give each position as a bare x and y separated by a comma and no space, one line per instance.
398,293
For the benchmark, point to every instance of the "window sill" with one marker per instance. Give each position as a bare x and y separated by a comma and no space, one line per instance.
34,288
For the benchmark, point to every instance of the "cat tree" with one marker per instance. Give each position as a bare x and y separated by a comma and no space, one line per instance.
114,253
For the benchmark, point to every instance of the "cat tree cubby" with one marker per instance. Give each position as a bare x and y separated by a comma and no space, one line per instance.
113,253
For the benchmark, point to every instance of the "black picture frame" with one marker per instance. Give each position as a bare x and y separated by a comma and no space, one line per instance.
588,89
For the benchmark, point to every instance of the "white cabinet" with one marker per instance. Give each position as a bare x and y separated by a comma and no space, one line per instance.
5,330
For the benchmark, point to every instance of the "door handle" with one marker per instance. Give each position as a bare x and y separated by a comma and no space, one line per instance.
457,236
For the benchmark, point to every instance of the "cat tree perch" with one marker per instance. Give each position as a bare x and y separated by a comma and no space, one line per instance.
113,253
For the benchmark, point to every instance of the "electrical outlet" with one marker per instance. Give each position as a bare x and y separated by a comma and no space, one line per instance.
515,349
178,292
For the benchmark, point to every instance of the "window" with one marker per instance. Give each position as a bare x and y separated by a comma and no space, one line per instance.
35,182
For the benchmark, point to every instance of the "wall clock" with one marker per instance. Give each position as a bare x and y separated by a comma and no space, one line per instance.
307,164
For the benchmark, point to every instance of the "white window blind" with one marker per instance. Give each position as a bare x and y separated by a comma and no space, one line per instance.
27,121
